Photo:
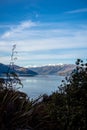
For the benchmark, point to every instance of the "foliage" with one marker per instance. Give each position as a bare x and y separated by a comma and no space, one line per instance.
75,88
14,109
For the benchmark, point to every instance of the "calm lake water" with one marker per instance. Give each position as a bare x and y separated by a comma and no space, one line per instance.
39,85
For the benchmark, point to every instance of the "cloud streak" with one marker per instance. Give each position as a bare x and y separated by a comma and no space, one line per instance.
18,28
77,11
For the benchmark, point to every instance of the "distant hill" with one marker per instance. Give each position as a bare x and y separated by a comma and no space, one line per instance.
64,69
21,71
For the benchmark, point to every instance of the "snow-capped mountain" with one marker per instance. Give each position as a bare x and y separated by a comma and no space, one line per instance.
34,66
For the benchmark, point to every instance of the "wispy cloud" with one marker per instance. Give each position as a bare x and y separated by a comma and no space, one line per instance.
41,39
18,28
28,58
77,11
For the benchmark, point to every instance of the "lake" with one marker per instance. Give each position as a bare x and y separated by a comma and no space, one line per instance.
41,84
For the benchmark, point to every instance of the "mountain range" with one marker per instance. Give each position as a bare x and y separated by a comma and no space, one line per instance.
61,69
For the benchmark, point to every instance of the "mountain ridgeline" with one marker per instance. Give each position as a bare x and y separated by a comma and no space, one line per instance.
64,70
20,71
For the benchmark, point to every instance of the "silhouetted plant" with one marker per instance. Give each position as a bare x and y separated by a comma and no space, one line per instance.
75,89
12,79
15,106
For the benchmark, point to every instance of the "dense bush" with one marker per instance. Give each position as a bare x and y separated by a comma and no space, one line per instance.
15,106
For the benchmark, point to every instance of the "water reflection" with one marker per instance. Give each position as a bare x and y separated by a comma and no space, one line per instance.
38,85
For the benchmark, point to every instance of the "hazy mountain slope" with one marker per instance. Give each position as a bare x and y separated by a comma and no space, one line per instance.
54,70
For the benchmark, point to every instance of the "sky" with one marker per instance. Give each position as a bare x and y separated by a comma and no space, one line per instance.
44,31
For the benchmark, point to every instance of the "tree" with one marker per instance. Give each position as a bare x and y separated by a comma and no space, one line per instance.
75,89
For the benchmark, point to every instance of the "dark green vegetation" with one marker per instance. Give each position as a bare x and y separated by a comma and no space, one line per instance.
65,109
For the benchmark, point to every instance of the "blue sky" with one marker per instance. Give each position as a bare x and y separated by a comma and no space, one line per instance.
44,31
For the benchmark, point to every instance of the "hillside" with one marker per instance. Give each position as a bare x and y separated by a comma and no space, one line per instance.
21,71
65,69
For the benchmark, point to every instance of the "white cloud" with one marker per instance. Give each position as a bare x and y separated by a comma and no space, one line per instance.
45,57
77,11
46,40
18,29
26,24
7,34
29,59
